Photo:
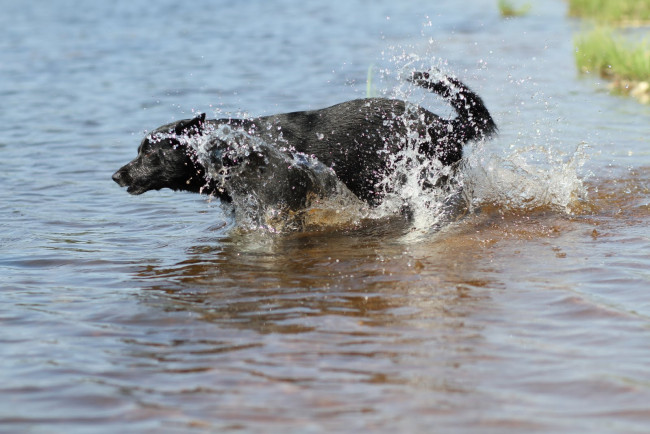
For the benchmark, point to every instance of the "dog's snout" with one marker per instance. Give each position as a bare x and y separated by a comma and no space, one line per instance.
119,178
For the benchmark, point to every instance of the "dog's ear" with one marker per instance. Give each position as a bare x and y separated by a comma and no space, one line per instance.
190,127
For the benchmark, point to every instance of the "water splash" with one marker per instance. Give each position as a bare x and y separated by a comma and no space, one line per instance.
422,187
531,177
537,177
428,191
273,188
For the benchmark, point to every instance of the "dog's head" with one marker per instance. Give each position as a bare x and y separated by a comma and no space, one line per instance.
165,161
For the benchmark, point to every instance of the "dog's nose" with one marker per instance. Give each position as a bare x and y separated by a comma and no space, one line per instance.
117,177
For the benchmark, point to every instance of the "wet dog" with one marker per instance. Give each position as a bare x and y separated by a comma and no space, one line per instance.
276,156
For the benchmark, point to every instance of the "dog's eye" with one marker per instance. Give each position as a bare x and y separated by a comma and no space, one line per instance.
147,151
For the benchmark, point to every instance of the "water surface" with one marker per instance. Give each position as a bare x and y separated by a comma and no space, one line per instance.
152,313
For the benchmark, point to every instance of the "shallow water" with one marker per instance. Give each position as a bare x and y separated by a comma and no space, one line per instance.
151,313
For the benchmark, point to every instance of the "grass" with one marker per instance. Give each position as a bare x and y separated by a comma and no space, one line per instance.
616,58
612,56
508,9
624,12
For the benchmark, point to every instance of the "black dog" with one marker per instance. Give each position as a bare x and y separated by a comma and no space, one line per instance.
278,156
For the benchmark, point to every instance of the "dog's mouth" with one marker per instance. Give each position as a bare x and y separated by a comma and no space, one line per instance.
135,190
123,180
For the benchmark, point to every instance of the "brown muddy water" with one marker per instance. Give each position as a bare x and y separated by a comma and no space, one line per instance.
529,313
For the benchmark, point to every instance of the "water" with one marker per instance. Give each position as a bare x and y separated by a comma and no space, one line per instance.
152,313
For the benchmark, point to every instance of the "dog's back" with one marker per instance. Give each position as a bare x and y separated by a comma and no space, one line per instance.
357,138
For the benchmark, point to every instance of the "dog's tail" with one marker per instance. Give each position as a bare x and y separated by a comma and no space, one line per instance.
474,120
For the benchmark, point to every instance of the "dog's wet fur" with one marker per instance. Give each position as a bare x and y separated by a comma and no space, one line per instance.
356,139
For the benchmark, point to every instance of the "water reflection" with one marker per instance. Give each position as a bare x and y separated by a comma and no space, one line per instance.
326,325
280,284
320,328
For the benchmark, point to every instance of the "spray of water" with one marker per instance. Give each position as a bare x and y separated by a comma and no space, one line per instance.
529,178
536,177
264,185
